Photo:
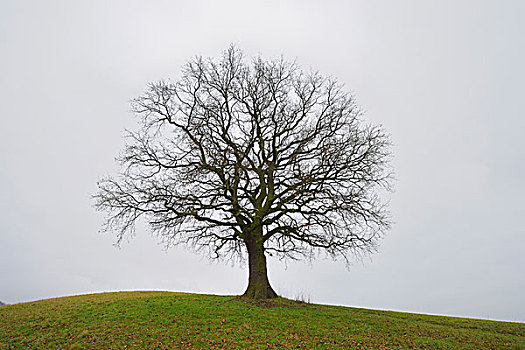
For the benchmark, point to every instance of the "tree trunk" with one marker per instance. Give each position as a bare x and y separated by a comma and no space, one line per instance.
258,284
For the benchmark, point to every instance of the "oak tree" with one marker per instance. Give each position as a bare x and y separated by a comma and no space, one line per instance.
249,157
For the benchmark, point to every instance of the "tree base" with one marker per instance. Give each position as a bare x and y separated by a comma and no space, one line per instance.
263,292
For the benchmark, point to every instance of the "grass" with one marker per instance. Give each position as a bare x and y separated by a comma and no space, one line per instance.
165,320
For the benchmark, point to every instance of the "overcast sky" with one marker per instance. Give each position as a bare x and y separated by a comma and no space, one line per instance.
445,78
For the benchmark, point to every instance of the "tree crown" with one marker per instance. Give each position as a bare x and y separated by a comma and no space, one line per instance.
239,150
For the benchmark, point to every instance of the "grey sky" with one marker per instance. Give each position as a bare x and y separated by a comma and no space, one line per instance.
444,77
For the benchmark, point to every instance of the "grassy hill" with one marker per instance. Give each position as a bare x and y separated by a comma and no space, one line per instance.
164,320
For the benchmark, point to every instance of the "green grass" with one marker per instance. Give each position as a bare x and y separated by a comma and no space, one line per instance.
164,320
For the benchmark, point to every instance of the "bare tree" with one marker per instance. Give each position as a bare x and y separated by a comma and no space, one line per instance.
251,158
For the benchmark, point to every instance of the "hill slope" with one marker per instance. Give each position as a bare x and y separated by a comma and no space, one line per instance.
165,320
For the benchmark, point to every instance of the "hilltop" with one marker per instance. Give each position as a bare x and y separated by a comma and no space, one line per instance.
167,320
